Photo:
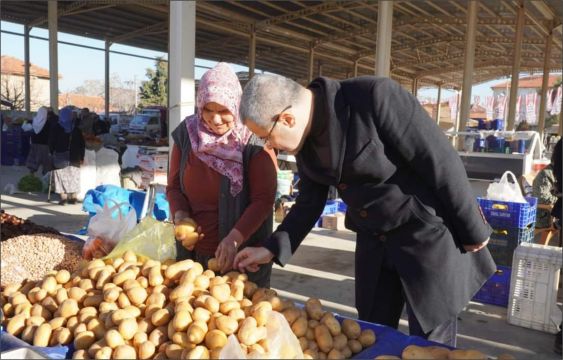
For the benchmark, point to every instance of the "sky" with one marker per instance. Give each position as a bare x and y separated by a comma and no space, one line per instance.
78,64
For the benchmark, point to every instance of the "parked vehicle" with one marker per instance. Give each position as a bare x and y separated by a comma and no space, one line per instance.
146,125
161,113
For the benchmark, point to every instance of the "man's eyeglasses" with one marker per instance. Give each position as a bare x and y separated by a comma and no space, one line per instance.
275,119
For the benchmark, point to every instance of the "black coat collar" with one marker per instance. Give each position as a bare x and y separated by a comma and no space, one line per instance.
323,151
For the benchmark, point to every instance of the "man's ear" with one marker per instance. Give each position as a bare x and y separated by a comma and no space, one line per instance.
288,119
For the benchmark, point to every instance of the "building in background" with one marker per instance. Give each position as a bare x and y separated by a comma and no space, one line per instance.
12,84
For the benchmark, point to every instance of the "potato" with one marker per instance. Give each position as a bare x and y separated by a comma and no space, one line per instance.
173,351
346,352
61,296
226,324
312,354
367,338
81,327
438,352
86,284
49,284
137,295
77,294
181,338
467,354
181,320
16,325
413,352
314,309
146,350
299,327
199,352
104,353
196,332
303,343
10,289
221,292
106,307
261,311
68,308
181,291
34,320
8,309
291,315
331,323
215,339
158,336
28,333
104,277
351,329
310,334
208,302
226,307
213,265
133,311
36,295
93,300
323,338
84,340
387,357
174,271
24,308
80,354
61,336
145,325
71,323
124,352
334,354
201,314
123,276
127,328
355,346
113,338
161,317
249,333
237,314
340,341
42,335
119,315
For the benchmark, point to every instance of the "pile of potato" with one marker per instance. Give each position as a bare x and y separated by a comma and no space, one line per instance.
130,307
414,352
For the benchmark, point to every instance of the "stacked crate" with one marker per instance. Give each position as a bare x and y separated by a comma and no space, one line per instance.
513,224
154,165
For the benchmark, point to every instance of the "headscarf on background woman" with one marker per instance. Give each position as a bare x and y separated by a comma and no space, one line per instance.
66,119
222,153
39,120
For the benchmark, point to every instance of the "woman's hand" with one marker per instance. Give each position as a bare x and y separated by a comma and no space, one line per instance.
227,250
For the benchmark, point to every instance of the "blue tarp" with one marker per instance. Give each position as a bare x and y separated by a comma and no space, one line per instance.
103,193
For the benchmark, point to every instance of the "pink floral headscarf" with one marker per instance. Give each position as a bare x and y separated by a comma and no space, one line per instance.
222,153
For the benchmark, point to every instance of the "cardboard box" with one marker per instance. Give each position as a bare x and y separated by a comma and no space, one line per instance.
334,221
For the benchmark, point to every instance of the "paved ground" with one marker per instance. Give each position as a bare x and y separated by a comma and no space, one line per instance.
322,267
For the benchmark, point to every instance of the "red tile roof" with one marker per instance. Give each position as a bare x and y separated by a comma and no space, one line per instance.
93,103
13,66
533,82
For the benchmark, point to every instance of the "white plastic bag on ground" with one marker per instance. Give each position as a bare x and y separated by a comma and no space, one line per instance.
107,227
282,340
87,174
505,190
107,168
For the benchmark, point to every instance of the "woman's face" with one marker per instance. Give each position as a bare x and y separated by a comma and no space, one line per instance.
218,118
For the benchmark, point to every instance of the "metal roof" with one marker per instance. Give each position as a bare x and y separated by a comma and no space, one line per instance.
427,36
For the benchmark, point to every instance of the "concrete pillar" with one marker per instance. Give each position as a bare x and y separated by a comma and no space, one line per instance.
383,45
438,108
27,84
52,17
356,68
512,100
252,53
181,63
473,6
311,63
545,82
106,78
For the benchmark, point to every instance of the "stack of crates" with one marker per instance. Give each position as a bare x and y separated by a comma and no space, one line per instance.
533,289
513,224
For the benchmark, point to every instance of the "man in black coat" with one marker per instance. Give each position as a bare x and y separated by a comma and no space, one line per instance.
420,234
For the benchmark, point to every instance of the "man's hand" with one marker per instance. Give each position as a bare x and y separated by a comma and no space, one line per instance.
475,248
250,258
227,249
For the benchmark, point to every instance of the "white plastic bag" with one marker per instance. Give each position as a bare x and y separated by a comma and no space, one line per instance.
504,190
105,230
282,340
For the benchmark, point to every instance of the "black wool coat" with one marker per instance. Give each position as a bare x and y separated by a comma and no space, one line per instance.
392,165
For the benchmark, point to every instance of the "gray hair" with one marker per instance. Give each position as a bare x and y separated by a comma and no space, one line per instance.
265,96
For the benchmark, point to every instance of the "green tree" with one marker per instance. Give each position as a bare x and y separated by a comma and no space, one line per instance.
154,91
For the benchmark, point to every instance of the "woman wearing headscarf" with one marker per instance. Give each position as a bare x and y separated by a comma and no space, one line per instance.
67,147
39,150
220,177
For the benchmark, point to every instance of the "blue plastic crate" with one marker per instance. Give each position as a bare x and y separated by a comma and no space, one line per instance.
497,289
342,207
503,242
331,207
504,214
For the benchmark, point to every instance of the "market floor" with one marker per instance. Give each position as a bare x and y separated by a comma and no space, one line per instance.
323,267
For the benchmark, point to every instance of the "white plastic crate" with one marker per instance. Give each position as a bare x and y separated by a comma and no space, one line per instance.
533,287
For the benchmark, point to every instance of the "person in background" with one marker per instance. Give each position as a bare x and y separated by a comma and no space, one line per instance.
220,177
556,213
67,143
542,187
87,120
39,150
421,239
